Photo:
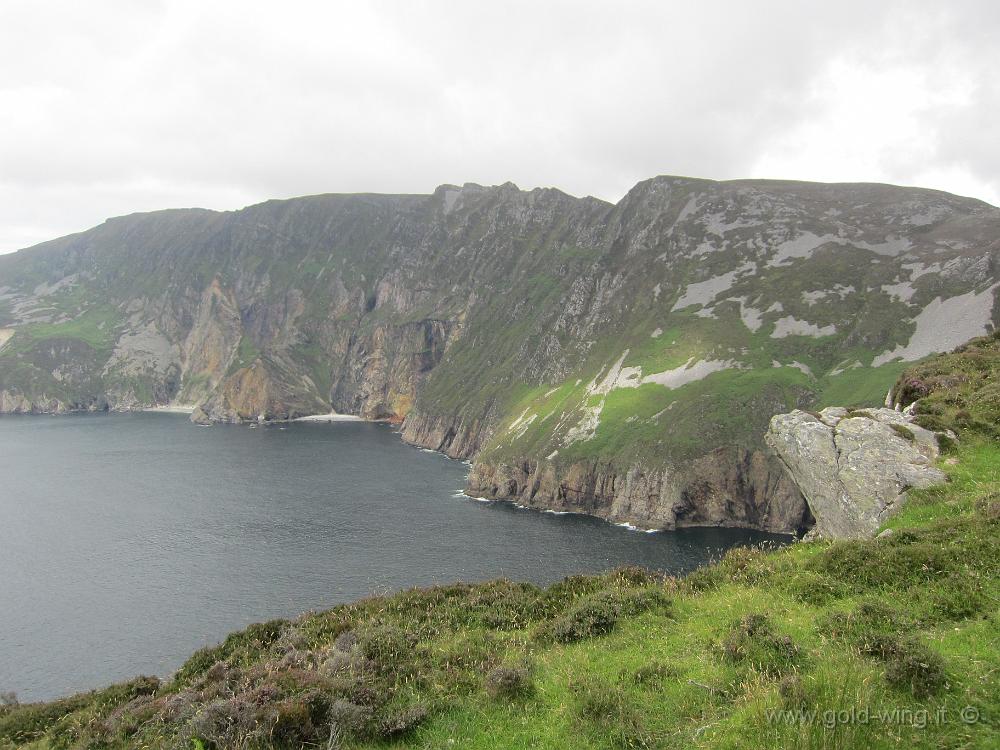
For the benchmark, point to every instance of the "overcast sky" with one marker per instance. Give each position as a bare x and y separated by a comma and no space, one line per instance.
107,108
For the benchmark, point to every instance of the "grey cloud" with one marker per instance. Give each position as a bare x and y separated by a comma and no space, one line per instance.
113,107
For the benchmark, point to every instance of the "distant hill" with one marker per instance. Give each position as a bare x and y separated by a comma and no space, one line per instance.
621,360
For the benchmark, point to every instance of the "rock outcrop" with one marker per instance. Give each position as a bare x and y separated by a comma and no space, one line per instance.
854,468
729,487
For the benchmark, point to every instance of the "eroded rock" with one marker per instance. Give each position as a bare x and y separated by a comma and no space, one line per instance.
854,468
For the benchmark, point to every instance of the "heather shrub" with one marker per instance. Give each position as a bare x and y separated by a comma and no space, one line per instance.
598,614
508,682
398,722
912,665
876,630
753,642
608,709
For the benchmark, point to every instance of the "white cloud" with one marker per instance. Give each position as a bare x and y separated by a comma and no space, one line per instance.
113,107
913,110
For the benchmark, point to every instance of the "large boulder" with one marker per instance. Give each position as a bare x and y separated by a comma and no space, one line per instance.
854,467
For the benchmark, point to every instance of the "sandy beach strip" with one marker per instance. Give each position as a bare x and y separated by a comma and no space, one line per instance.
331,417
171,409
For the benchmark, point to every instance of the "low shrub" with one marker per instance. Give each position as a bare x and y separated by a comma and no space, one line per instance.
388,646
346,641
350,718
292,722
864,626
340,663
509,682
598,614
878,631
912,665
229,722
398,722
635,602
594,616
609,709
753,642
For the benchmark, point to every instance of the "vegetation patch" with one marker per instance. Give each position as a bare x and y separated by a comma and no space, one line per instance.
754,642
903,431
959,391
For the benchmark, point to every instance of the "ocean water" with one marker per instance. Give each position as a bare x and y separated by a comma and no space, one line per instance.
128,541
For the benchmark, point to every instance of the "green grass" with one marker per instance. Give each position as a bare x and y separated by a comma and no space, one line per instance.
246,354
75,350
96,327
651,423
859,386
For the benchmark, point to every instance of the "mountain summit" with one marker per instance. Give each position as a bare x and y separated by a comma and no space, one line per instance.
620,360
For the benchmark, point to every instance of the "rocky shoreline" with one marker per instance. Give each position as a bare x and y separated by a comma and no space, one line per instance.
836,473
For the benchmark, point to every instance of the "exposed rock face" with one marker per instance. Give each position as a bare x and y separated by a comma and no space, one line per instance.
452,436
382,370
725,488
621,360
854,468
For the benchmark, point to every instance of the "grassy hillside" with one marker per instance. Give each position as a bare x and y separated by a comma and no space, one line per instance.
862,644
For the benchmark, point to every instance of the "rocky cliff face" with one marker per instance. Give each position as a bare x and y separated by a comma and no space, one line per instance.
728,487
623,360
854,468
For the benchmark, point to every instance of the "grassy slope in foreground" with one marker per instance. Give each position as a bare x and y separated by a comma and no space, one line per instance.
868,644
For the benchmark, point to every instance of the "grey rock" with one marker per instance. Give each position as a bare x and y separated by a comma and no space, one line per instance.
746,489
854,471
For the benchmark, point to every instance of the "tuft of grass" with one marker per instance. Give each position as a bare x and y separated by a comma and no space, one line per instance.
903,431
509,682
754,642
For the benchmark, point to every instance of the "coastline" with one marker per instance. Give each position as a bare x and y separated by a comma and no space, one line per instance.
170,409
331,417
